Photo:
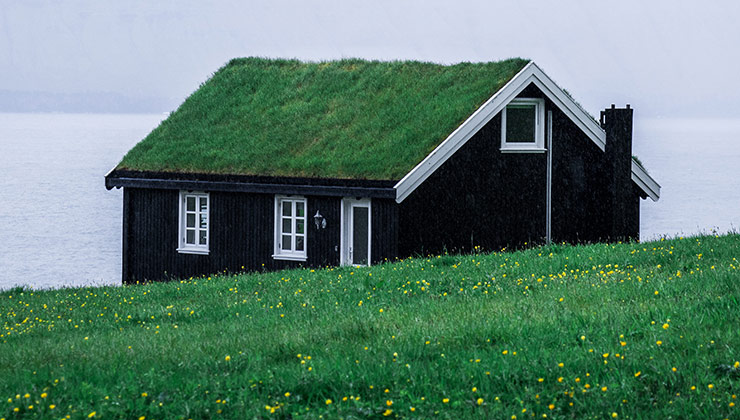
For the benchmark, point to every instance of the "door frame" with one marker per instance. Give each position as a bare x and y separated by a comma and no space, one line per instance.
346,229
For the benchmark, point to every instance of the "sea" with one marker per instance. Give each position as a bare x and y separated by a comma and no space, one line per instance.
60,227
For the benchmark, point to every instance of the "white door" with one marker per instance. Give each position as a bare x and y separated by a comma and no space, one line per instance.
356,228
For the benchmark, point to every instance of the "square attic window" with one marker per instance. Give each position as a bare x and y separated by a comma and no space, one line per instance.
523,125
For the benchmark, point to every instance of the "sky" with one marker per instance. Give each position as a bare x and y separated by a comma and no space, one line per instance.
665,58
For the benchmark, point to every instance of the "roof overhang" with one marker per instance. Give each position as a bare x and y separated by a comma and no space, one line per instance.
645,181
530,74
112,181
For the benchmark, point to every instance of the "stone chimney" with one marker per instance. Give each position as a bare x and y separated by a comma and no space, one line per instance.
617,122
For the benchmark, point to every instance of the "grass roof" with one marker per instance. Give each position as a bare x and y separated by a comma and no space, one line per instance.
351,119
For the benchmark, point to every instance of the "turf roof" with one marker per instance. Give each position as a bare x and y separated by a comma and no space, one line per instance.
351,119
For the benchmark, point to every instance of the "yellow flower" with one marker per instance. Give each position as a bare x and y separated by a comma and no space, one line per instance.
287,394
445,400
551,406
27,395
603,389
227,358
91,415
615,415
710,386
380,310
638,373
479,401
43,395
605,355
560,364
144,394
328,401
142,418
660,343
387,412
475,389
388,403
412,409
665,326
52,406
541,380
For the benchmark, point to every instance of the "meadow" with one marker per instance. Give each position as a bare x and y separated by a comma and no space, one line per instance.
631,330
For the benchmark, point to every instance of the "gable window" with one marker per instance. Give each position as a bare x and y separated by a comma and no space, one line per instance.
193,221
523,125
290,228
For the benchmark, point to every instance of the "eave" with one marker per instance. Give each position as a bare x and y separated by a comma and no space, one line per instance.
645,181
113,180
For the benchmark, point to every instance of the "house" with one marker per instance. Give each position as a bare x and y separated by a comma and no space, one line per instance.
281,163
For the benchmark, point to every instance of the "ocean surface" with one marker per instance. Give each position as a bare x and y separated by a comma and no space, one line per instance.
60,227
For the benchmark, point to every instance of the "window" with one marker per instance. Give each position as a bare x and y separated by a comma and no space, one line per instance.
193,222
290,228
523,126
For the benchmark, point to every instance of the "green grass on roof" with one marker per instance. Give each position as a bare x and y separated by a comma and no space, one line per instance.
339,119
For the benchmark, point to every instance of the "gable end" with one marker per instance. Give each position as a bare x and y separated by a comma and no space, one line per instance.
530,74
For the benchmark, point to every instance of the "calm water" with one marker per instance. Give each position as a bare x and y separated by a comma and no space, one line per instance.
61,227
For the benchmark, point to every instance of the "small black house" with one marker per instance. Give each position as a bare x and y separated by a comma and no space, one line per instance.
281,163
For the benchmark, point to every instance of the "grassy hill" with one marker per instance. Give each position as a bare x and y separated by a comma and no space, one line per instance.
647,330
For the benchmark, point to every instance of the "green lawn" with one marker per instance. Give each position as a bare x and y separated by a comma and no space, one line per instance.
337,119
647,330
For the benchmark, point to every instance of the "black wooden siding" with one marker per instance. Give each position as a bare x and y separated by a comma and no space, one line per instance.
484,197
241,234
479,197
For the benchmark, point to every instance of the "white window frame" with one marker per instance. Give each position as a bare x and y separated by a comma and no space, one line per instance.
345,257
292,254
183,246
538,146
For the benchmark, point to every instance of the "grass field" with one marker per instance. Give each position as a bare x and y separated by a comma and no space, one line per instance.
647,330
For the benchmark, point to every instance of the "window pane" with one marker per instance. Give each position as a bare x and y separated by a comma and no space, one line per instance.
299,226
286,242
203,237
299,243
203,220
520,123
203,204
190,236
190,220
287,209
191,203
299,209
287,225
359,235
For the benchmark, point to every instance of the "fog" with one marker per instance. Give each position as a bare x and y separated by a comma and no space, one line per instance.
665,58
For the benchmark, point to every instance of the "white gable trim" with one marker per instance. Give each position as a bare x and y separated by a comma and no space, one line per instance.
645,181
529,74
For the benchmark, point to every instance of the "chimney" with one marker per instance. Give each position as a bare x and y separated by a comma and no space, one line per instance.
617,122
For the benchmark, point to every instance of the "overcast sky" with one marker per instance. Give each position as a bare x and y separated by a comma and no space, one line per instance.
666,58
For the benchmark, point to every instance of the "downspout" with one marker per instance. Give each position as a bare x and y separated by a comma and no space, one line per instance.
548,200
